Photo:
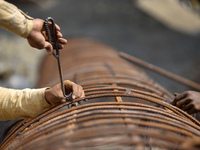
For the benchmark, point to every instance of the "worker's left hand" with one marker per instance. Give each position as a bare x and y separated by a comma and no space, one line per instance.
55,96
188,101
38,39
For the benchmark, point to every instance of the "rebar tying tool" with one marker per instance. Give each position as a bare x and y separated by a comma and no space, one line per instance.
56,53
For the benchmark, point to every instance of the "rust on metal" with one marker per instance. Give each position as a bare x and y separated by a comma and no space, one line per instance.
161,71
125,108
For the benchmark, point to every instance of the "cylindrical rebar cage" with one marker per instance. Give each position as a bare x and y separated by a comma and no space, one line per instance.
125,108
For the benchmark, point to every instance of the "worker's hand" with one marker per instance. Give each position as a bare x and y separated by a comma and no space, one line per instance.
38,39
188,101
55,96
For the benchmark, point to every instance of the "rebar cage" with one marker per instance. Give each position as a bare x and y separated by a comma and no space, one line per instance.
123,107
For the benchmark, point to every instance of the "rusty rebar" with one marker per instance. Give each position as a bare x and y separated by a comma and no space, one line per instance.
125,108
161,71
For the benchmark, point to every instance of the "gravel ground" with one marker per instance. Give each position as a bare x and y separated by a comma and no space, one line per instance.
117,23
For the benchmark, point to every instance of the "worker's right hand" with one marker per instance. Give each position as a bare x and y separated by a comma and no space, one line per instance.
54,95
38,39
188,101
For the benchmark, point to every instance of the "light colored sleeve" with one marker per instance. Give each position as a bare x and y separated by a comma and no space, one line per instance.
26,103
14,20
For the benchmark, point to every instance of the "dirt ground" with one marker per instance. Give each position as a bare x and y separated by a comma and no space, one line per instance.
117,23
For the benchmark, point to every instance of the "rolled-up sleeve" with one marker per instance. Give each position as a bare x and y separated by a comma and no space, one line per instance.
14,20
26,103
